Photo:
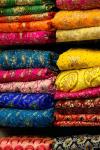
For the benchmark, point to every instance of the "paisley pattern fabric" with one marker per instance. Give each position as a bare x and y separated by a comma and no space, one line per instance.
25,75
26,58
86,93
39,86
80,142
25,10
79,106
77,4
76,80
26,143
26,118
78,58
65,20
33,38
84,34
27,18
26,26
26,101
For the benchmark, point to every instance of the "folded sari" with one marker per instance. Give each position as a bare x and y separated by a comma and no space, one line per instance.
86,93
39,86
65,20
33,38
26,118
25,75
25,10
76,80
26,26
26,101
77,4
79,106
27,18
84,34
22,58
27,143
77,142
78,58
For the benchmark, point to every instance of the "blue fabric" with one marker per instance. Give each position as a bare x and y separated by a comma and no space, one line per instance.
26,101
16,59
26,118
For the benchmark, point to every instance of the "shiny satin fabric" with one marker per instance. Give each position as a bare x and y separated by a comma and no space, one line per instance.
26,118
26,101
65,20
36,143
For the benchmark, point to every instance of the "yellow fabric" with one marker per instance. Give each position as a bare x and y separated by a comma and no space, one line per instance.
78,59
75,80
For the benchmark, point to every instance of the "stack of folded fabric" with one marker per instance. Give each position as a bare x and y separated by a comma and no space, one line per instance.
78,88
26,84
77,21
26,22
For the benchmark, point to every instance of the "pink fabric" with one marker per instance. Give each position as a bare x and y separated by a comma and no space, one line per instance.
87,93
39,37
39,86
24,75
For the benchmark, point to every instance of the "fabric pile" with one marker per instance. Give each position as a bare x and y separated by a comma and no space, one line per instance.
78,88
77,20
27,80
26,22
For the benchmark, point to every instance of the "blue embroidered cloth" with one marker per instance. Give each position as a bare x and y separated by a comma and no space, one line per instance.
16,59
26,101
26,118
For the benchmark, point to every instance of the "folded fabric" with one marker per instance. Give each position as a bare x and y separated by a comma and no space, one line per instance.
26,26
75,80
79,106
7,3
77,4
84,34
25,75
78,58
80,142
27,18
33,38
36,143
65,20
22,58
39,86
26,118
86,93
25,10
26,101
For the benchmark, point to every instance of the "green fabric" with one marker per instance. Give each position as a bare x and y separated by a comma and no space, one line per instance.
22,10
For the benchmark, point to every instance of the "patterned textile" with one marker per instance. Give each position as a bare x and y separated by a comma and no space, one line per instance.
77,4
77,142
75,80
65,20
83,34
25,75
10,3
16,59
26,26
26,143
26,101
87,93
26,118
27,18
25,10
39,86
78,58
39,37
79,106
